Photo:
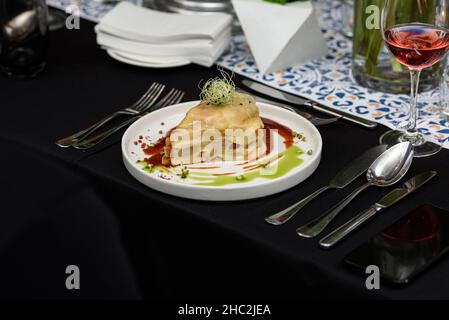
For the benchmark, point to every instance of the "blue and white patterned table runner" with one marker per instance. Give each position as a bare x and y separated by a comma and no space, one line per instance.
88,9
327,80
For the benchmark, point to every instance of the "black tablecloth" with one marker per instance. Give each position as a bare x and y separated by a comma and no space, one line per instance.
63,206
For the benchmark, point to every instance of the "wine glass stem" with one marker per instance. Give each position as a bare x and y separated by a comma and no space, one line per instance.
411,134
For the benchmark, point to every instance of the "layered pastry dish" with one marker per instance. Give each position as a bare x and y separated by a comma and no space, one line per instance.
216,132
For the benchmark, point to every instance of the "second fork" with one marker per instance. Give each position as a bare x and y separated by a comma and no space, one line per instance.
173,97
143,104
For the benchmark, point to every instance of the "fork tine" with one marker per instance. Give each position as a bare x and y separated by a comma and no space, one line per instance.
146,97
180,97
154,99
151,99
172,98
175,98
150,89
165,99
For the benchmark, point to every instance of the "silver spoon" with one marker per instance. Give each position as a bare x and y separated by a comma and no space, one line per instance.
388,169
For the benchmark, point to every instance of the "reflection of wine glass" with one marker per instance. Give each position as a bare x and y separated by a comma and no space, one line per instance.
410,243
417,34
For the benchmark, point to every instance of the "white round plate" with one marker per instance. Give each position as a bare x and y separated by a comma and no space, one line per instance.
147,62
201,182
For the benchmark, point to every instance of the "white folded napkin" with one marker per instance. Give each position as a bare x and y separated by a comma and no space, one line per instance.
183,48
145,25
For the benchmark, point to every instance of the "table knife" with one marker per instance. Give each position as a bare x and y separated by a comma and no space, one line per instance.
341,180
391,198
317,121
290,98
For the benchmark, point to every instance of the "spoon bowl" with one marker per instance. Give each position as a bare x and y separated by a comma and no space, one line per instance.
391,166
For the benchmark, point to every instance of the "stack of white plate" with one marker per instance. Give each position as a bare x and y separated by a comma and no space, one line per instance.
150,38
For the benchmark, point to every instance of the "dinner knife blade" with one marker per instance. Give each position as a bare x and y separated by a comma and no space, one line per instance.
290,98
387,201
357,167
274,93
408,187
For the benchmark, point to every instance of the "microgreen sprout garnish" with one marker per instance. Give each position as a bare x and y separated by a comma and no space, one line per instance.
218,91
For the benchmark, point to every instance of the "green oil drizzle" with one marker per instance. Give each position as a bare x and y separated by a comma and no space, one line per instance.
148,168
290,160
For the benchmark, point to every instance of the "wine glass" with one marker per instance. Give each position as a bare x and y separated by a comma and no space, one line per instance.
416,32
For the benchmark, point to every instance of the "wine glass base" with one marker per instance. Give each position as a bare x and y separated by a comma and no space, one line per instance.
422,147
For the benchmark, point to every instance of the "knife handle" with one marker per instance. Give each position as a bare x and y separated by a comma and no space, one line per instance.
285,215
348,117
338,234
317,225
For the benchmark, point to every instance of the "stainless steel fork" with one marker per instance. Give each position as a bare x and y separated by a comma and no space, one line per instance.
142,105
173,97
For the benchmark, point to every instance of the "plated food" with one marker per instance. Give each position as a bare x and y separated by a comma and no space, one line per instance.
223,147
217,126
